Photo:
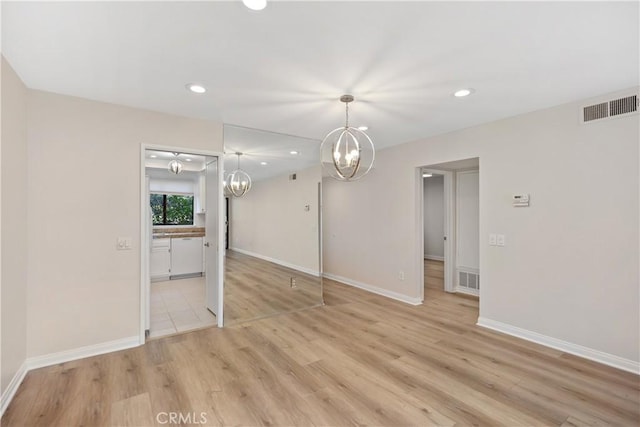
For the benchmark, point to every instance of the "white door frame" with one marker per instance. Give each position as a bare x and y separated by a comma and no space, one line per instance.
456,218
145,238
449,229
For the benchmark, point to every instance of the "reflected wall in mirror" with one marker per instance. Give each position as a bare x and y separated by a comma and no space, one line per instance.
272,257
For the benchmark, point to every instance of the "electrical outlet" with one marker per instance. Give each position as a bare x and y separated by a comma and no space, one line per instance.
293,282
401,275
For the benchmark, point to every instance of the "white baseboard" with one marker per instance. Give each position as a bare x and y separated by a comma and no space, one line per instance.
567,347
8,394
61,357
467,291
82,352
279,262
374,289
434,257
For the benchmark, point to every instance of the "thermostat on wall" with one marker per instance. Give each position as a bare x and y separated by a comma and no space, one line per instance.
520,200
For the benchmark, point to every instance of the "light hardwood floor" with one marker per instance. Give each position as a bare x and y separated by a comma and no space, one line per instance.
255,288
361,359
434,274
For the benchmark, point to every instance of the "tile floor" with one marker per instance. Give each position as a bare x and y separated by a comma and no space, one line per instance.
178,306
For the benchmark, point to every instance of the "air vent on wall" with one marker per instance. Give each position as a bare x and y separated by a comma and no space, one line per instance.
623,105
613,108
595,112
468,280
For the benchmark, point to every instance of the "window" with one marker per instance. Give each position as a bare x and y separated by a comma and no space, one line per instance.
172,209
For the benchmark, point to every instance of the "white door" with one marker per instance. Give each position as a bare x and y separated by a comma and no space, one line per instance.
146,246
213,262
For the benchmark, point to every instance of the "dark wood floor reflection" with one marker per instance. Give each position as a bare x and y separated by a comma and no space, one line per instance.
255,288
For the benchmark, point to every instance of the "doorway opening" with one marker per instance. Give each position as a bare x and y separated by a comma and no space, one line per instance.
434,230
181,233
449,201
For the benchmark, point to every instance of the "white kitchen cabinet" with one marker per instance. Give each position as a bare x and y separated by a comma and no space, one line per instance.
160,260
186,255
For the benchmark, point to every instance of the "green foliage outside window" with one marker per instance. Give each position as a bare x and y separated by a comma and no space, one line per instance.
171,209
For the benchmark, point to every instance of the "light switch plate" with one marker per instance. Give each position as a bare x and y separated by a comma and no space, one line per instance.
493,240
124,243
501,240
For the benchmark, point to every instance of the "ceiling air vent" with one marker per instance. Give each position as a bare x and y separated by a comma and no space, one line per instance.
613,108
623,105
595,112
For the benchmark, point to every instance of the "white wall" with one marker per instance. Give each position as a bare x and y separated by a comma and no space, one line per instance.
434,217
84,192
13,205
570,267
467,220
270,220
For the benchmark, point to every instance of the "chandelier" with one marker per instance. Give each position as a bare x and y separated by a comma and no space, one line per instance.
347,153
175,165
238,182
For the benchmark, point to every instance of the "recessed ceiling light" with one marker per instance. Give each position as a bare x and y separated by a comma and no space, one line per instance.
153,156
427,175
255,4
462,93
263,163
363,128
196,88
293,152
188,160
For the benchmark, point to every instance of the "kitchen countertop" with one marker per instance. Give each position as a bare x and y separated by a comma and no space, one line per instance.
177,232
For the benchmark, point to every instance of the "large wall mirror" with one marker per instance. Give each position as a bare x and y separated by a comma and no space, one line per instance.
272,243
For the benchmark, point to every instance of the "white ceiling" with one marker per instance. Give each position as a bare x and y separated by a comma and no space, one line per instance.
272,148
256,146
157,163
284,68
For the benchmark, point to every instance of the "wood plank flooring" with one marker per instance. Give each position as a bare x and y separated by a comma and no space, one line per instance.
434,274
255,288
360,360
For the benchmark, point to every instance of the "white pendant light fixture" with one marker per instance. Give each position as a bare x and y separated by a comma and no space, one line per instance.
175,165
255,4
347,153
238,182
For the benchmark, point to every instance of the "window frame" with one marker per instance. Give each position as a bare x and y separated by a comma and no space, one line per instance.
165,196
